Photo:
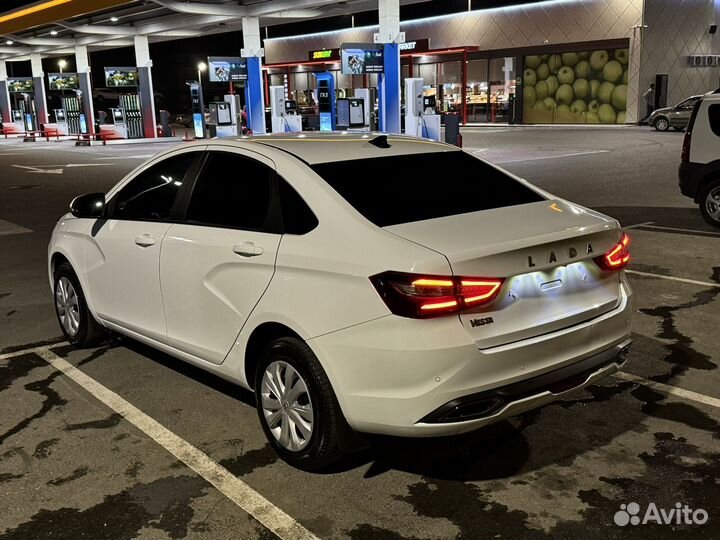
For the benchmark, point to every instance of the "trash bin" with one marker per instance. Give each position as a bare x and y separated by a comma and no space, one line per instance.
452,129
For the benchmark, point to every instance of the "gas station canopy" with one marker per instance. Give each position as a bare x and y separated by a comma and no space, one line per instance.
55,27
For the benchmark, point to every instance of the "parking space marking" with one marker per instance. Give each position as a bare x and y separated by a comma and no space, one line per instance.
678,230
673,278
666,388
636,225
589,152
7,228
249,500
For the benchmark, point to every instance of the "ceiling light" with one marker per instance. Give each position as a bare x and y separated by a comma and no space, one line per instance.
9,42
53,33
114,19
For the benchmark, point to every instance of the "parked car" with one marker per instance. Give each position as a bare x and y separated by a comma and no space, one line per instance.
676,117
349,297
700,162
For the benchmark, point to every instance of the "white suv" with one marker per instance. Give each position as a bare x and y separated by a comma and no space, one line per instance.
700,162
358,283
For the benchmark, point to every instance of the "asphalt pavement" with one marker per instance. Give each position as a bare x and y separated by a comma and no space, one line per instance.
83,453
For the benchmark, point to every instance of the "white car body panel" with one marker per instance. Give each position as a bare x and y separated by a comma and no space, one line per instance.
388,372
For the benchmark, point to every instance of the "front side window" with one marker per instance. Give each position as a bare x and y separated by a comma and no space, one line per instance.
232,191
151,195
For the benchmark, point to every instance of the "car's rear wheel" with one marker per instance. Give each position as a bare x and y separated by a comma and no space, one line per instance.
661,123
297,407
76,322
710,202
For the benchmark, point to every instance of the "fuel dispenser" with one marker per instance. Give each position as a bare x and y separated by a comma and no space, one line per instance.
130,104
420,117
283,112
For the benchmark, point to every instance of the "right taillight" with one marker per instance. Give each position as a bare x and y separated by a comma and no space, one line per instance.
685,154
421,297
617,257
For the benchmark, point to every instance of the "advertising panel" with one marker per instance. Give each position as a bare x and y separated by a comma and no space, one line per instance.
586,87
21,84
227,68
121,77
361,58
63,81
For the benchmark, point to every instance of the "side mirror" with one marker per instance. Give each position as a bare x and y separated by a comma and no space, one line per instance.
88,206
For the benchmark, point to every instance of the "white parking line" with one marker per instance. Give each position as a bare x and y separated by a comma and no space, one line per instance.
589,152
644,224
673,390
35,350
675,229
249,500
673,278
7,228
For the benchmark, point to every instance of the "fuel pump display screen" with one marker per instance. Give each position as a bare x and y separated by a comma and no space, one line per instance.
361,58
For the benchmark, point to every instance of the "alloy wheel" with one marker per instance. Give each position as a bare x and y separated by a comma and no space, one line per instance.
661,124
68,306
712,204
287,407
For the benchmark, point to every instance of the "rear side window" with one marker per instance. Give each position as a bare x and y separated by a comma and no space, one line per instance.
151,195
232,191
296,214
714,116
416,187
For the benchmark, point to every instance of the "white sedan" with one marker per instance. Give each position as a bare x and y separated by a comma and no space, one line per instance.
357,283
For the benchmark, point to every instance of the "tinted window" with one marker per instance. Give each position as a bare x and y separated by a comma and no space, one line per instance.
403,189
296,214
232,191
150,195
714,116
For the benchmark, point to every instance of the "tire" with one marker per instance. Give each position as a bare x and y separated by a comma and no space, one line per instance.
661,123
321,447
710,202
76,322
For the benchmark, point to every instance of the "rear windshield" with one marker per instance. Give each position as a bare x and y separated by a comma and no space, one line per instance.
402,189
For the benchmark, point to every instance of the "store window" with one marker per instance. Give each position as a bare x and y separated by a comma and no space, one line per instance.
584,87
449,86
477,91
501,94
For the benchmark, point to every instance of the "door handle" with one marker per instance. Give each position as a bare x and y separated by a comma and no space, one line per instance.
145,240
248,249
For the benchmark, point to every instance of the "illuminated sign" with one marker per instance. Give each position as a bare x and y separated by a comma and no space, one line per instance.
419,45
324,54
361,58
226,69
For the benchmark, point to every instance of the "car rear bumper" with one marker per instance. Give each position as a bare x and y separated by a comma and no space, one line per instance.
690,176
408,377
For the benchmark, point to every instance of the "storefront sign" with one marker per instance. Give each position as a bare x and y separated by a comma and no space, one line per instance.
419,45
704,60
324,54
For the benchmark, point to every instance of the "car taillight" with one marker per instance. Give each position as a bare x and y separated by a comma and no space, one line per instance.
617,257
685,154
420,297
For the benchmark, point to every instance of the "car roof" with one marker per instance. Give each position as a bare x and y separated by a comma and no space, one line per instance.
326,147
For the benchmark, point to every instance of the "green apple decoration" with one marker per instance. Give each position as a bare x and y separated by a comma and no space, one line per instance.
564,94
566,75
619,97
543,71
606,114
622,56
594,87
540,106
593,106
532,61
625,77
612,71
552,83
570,59
581,87
529,95
583,55
554,63
605,91
592,117
544,57
578,106
550,103
541,90
529,77
582,69
598,59
620,119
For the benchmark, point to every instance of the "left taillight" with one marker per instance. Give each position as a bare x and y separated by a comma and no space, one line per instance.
617,257
420,296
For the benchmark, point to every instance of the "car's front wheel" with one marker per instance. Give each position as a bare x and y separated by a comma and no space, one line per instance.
662,123
297,407
710,202
76,322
